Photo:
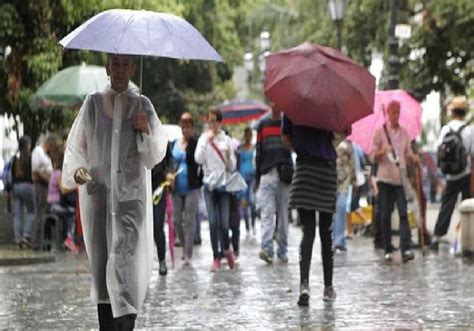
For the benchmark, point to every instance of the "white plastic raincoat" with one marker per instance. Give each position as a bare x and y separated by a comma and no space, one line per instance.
115,206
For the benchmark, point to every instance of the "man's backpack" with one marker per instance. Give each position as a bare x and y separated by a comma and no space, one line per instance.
452,155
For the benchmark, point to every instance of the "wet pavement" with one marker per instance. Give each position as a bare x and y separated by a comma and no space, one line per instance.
433,291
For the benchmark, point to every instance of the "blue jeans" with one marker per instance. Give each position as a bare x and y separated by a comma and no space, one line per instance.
339,220
218,204
272,198
249,211
23,196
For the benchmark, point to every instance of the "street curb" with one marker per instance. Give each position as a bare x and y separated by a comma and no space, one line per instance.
10,255
19,261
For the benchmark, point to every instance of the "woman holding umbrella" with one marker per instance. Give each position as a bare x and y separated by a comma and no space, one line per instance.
313,189
114,141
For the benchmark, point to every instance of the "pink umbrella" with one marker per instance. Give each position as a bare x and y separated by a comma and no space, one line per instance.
410,118
169,214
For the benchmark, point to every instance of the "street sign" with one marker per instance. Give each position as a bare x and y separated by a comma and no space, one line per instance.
402,31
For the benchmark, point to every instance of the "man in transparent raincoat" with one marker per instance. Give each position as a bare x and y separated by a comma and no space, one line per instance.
114,142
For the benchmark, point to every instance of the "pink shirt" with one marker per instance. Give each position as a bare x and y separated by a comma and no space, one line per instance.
53,188
388,171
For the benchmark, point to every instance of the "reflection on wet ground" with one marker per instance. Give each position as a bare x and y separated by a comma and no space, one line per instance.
433,291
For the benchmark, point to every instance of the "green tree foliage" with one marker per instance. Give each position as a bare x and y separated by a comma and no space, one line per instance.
32,28
436,57
438,54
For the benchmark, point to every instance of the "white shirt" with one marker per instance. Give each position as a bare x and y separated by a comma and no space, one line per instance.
40,161
467,135
208,157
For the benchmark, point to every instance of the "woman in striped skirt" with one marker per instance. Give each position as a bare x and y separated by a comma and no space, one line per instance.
313,189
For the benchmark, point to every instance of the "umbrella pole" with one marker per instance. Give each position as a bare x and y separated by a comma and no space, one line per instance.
140,92
141,74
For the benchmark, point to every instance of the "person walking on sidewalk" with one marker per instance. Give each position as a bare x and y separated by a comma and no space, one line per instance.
185,185
214,152
345,178
159,174
246,153
455,182
274,170
22,193
115,141
42,168
391,150
313,189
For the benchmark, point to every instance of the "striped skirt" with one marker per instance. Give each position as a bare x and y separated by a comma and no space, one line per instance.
314,186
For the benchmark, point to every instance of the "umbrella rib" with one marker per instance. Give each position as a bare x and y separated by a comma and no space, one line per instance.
171,33
123,31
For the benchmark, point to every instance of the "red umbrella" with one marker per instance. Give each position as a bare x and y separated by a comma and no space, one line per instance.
239,111
318,86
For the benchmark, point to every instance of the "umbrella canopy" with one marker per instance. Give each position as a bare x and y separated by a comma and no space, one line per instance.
318,86
238,111
68,87
410,118
141,32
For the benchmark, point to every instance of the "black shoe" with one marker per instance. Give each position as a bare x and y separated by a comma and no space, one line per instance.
177,244
434,245
407,256
197,242
303,300
163,270
26,242
340,248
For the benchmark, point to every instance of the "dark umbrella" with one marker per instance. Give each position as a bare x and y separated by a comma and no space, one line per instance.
318,86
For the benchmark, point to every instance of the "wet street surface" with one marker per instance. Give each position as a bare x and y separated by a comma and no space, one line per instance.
435,291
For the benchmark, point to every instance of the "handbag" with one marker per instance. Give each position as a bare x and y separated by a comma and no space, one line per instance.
285,173
224,180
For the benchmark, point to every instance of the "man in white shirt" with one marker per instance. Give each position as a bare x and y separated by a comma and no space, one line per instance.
455,183
41,167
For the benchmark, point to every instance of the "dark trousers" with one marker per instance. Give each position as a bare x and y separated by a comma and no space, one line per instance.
308,225
108,323
377,222
234,222
448,202
41,196
158,224
388,195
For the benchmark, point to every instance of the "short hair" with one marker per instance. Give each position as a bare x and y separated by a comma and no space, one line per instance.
58,157
186,117
393,104
217,112
23,142
51,139
247,130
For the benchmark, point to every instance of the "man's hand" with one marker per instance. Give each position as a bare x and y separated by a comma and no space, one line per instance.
82,176
171,179
141,123
415,159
